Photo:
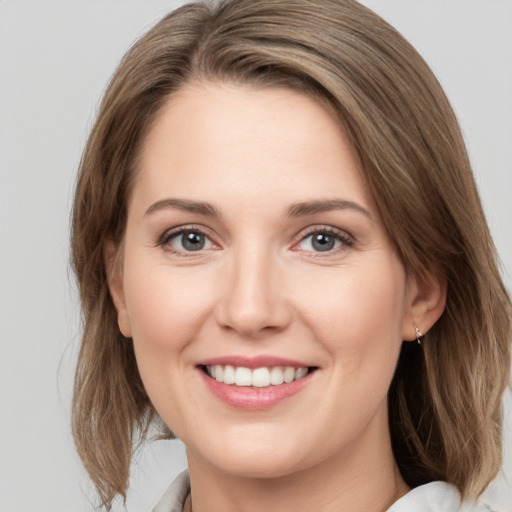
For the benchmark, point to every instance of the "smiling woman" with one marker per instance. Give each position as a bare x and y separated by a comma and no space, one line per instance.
282,255
309,290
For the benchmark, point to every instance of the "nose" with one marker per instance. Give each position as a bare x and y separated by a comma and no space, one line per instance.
253,299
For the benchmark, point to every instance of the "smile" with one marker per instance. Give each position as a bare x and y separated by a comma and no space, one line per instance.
255,383
257,377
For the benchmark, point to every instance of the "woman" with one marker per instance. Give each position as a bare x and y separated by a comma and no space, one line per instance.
282,255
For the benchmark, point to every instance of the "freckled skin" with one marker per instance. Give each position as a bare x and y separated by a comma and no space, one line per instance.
257,287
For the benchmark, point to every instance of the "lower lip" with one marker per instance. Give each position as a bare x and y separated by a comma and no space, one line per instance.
253,398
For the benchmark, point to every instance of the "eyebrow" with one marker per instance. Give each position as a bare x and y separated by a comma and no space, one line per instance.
187,205
295,210
313,207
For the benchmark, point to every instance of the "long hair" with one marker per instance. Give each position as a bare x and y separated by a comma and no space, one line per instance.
445,399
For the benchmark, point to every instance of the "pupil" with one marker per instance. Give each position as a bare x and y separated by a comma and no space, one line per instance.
323,242
193,241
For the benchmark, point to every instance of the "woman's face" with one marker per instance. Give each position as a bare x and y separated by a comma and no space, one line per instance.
253,249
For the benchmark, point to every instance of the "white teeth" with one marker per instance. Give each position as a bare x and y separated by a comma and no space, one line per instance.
259,377
289,374
276,376
229,374
243,376
299,373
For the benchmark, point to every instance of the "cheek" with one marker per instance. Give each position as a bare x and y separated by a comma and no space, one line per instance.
359,324
358,313
166,308
166,312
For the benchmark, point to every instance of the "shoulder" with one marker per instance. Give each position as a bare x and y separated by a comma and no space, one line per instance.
174,497
436,497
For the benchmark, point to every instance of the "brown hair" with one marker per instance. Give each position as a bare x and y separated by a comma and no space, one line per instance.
444,401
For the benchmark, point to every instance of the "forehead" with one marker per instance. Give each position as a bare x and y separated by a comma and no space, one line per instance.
225,141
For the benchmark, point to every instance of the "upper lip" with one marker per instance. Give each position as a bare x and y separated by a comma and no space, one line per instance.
252,362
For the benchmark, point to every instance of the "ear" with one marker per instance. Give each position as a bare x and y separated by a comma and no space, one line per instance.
111,255
426,300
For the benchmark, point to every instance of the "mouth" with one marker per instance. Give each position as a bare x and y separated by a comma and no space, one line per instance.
263,377
255,383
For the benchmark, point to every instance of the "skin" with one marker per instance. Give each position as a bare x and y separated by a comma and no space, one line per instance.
259,286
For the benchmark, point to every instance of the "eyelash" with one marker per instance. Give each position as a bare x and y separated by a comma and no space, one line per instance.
341,236
167,236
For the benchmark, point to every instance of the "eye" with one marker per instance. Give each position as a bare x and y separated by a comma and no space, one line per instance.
323,240
186,240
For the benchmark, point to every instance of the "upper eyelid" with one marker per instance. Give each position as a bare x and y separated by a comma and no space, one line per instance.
170,233
346,239
301,235
319,228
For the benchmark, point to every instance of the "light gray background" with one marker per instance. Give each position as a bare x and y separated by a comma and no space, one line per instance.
55,59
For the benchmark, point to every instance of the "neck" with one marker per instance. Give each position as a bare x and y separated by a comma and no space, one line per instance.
358,478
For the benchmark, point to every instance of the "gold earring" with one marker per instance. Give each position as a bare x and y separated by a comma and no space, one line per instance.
419,334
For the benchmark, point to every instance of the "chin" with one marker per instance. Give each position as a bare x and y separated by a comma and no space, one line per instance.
260,458
260,466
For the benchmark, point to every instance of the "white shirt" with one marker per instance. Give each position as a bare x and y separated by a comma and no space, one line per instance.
436,497
432,497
